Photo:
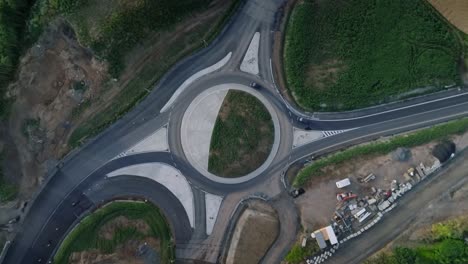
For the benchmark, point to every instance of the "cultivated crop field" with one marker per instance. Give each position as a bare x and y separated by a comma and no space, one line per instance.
455,11
242,137
342,55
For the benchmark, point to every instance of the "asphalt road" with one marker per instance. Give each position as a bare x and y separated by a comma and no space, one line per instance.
82,175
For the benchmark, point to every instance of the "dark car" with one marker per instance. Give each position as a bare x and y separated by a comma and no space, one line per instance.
255,85
297,192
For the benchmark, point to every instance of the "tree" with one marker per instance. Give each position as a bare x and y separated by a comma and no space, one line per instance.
451,251
404,255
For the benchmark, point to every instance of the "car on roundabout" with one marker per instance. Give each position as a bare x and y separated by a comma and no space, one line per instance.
255,85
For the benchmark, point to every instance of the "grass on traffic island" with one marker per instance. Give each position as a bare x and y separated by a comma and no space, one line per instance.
86,236
415,139
242,137
342,55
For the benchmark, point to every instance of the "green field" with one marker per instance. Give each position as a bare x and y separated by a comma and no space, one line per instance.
381,148
342,55
242,137
445,246
85,236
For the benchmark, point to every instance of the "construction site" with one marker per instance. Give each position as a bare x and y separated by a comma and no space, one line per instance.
362,201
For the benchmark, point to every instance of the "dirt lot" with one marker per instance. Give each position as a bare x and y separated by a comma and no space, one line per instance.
256,230
55,77
455,11
319,201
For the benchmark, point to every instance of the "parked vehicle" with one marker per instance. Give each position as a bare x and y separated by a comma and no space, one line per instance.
297,192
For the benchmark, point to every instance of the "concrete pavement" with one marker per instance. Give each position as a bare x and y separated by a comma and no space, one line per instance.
166,175
198,124
250,62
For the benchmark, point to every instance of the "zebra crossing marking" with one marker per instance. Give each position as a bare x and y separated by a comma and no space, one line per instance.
330,133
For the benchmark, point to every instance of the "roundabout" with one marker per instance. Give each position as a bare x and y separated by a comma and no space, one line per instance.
198,124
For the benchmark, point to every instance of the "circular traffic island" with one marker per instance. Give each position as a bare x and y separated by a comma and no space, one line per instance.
242,137
230,133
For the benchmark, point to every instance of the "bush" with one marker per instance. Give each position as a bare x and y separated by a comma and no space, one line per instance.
404,255
454,228
448,250
298,254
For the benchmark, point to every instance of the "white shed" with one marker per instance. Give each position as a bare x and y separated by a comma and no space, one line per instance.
343,183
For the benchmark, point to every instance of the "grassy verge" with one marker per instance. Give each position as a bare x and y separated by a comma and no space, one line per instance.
242,136
447,246
139,87
342,55
86,235
418,138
